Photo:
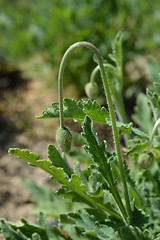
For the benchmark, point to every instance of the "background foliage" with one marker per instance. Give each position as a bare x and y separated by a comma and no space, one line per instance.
44,29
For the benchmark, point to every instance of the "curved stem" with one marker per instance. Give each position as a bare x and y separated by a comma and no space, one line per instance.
94,72
110,107
152,135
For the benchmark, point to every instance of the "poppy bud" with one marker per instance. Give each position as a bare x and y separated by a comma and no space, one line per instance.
145,159
64,139
92,90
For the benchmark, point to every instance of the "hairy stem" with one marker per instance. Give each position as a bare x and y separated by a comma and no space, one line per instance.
118,102
110,107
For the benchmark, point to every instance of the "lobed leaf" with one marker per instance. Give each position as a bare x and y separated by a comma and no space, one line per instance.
73,188
89,226
95,111
133,233
96,149
11,234
31,158
138,218
57,160
29,231
77,110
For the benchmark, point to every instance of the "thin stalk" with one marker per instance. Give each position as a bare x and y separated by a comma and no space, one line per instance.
94,72
119,104
110,107
152,135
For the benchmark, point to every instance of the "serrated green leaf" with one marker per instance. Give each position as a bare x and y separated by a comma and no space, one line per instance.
138,218
28,231
21,232
24,154
137,148
70,232
132,233
96,149
47,227
9,233
90,227
95,182
94,110
57,160
100,156
99,215
123,127
77,110
126,128
72,109
139,133
34,159
73,189
31,158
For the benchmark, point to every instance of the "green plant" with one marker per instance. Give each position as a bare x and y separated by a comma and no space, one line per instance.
117,200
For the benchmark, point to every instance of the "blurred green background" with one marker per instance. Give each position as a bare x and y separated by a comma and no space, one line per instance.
35,35
40,31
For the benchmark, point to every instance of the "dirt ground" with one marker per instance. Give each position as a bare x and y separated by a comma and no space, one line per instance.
19,103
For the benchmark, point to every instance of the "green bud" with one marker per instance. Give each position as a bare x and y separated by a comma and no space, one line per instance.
145,159
64,139
92,90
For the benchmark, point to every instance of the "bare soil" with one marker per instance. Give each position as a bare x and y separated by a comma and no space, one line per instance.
20,101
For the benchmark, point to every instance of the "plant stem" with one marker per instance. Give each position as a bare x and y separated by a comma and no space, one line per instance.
94,72
152,135
116,196
110,107
118,101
